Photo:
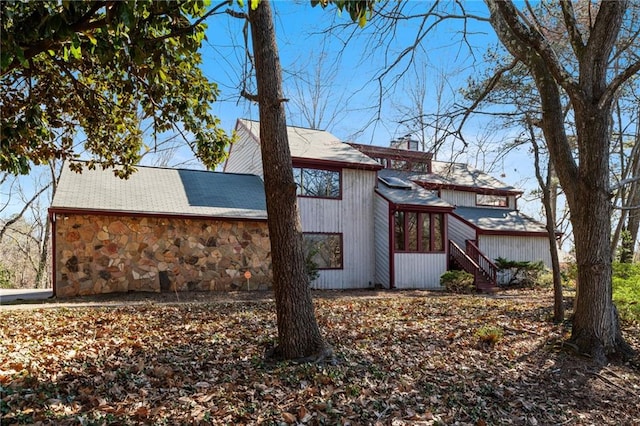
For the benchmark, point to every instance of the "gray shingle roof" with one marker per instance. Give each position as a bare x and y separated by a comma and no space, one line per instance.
456,175
460,174
152,190
494,219
416,196
317,145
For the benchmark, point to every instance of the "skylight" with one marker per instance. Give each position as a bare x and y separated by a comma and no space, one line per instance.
394,182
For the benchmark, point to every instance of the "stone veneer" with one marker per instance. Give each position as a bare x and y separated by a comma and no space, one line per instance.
105,254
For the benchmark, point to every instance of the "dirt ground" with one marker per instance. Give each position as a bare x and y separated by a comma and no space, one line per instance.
401,357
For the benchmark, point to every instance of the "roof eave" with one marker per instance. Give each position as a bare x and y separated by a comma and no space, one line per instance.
168,215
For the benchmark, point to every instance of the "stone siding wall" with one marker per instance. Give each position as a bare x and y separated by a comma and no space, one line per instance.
105,254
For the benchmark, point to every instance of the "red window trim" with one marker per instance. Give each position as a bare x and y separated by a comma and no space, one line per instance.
327,169
419,231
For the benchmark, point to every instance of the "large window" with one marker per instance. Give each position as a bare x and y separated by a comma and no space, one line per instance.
324,249
491,200
418,232
317,182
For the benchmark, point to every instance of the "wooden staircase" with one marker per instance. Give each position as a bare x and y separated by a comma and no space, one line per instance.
473,261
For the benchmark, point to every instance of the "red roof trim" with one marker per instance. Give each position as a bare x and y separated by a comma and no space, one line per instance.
58,210
332,164
393,153
416,208
462,188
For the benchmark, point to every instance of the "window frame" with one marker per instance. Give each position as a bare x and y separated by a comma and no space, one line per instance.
420,221
341,246
300,182
502,200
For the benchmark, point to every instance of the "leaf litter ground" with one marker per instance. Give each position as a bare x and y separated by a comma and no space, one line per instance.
401,358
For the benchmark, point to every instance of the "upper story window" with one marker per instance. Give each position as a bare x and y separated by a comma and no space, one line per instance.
492,200
418,232
319,183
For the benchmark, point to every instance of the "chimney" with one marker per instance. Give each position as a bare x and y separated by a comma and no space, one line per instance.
405,142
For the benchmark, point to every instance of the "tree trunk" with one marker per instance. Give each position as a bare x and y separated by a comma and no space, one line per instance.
596,330
44,256
298,332
595,325
549,201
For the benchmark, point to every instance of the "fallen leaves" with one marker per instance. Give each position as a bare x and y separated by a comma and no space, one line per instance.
400,360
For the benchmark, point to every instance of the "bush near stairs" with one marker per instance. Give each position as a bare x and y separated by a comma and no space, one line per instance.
458,282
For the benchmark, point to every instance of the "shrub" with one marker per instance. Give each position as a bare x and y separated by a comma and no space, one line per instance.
626,290
457,282
489,335
523,273
7,277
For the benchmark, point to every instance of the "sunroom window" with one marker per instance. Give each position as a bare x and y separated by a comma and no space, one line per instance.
418,231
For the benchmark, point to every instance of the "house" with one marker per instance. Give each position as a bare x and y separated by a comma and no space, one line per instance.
335,200
159,230
394,217
484,224
371,216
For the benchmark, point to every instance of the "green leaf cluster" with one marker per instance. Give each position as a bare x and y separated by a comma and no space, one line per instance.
626,290
104,70
359,11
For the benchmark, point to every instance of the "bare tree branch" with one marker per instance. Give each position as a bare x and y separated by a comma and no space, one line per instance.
19,215
491,84
575,37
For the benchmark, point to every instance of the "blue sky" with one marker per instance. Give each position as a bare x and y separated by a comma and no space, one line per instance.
350,71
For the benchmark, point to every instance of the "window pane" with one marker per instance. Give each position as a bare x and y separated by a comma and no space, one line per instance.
438,235
491,200
426,232
399,230
412,231
325,250
317,183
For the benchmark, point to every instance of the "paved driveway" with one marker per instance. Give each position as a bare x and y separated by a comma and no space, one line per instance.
11,295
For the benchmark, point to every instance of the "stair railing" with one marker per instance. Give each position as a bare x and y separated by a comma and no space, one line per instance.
484,263
463,259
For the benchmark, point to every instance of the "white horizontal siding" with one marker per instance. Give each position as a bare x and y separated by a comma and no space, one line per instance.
244,155
352,216
381,223
419,270
532,249
459,198
459,232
